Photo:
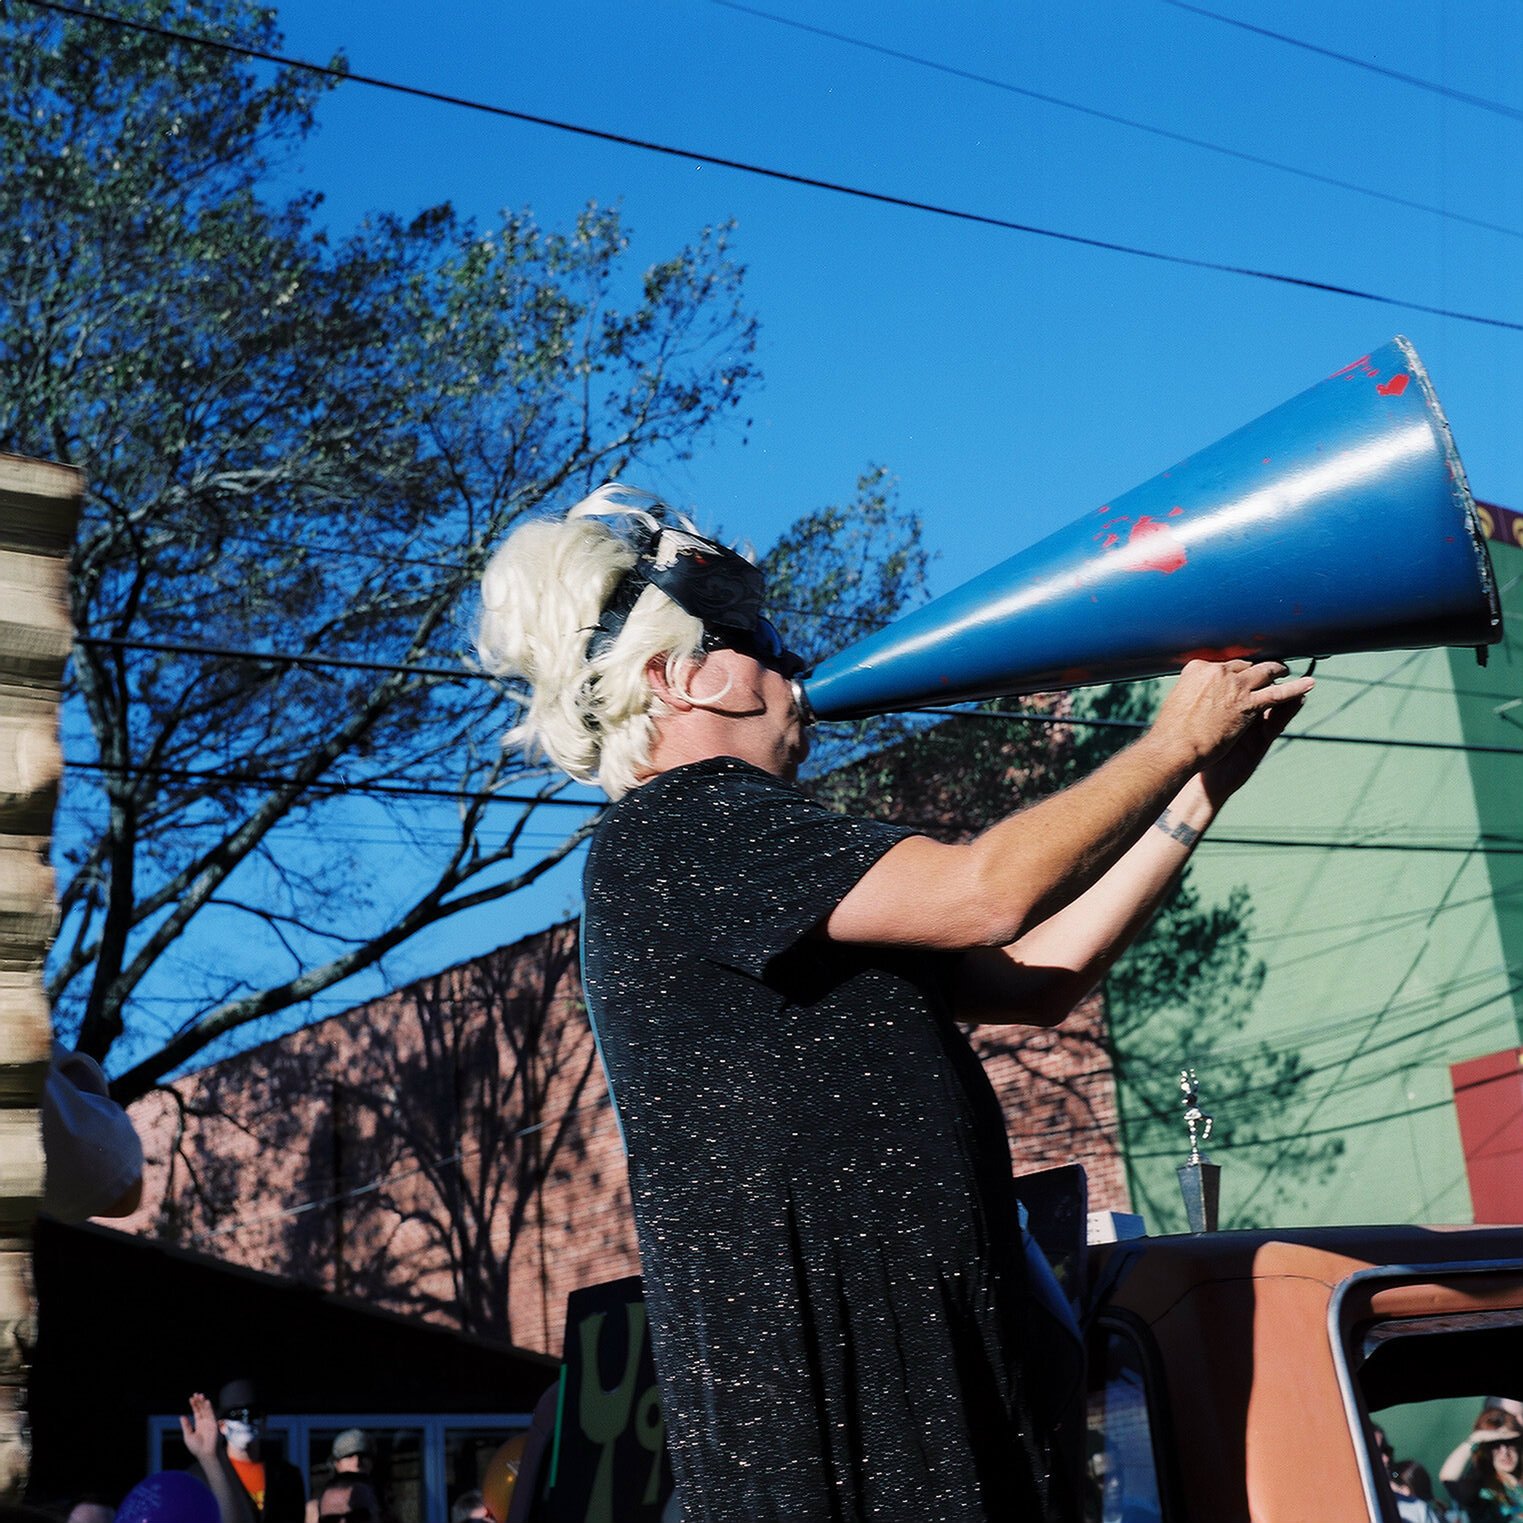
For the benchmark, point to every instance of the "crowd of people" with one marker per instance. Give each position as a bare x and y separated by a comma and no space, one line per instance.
1482,1477
234,1478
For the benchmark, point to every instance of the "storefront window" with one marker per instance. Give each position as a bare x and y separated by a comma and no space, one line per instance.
420,1464
396,1467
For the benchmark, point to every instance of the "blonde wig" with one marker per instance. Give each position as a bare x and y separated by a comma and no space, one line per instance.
542,594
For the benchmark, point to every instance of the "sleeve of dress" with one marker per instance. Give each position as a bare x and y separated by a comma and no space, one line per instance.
766,864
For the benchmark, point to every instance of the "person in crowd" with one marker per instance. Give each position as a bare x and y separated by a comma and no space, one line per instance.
833,1265
352,1453
470,1507
348,1499
203,1438
1412,1487
91,1509
1484,1473
274,1486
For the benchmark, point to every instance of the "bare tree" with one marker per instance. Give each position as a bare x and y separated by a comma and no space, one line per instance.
496,1064
301,447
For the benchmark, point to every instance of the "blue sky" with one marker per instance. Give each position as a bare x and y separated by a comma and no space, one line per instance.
1011,381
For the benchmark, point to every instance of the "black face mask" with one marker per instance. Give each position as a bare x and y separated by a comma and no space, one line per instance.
703,578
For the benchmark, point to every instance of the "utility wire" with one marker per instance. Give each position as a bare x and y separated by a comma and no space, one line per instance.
1481,102
1136,725
331,786
238,1224
277,658
1120,121
242,536
1225,1145
742,166
1486,846
464,673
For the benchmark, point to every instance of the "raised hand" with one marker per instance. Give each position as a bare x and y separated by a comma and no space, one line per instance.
1216,705
200,1431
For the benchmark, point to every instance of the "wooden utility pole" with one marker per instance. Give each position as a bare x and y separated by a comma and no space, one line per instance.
39,506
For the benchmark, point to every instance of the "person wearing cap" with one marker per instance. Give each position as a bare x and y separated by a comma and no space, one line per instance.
352,1455
1484,1474
275,1488
352,1452
833,1268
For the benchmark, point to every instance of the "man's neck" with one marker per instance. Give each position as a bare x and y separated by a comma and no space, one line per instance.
682,745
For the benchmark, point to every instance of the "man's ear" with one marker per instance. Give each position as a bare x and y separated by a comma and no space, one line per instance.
655,674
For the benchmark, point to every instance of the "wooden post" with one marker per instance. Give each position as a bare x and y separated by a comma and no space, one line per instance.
39,506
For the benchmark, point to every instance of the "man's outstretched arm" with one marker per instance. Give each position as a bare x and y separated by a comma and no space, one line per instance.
1016,888
1040,977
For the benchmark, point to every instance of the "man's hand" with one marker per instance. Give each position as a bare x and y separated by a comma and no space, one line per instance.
1223,777
200,1431
1217,704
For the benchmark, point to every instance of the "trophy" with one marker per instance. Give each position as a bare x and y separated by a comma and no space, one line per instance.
1199,1178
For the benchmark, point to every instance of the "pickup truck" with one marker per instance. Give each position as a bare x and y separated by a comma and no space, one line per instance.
1230,1377
1238,1375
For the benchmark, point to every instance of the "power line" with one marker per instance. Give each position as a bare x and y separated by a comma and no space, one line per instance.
1485,845
360,787
1117,120
465,673
278,658
388,558
1136,726
882,198
238,1224
1488,846
1482,102
1224,1145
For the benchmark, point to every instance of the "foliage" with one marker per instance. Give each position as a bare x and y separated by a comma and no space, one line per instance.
837,574
303,446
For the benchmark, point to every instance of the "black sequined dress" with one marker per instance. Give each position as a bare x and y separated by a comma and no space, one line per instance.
819,1168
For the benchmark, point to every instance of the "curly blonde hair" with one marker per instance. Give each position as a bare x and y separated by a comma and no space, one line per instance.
542,594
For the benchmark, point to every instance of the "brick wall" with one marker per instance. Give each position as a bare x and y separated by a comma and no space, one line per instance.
450,1150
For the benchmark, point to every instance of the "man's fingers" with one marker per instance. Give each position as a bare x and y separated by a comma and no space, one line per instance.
1275,719
1262,673
1294,688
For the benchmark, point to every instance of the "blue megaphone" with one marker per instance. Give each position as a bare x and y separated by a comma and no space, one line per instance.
1341,521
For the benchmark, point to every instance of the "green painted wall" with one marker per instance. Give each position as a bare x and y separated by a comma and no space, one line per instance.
1393,942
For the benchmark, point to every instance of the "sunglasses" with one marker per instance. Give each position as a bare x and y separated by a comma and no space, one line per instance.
762,643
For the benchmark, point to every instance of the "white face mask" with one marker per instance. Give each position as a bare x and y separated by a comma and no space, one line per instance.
240,1435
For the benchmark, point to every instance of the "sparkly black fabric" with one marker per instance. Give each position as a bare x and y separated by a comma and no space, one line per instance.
820,1173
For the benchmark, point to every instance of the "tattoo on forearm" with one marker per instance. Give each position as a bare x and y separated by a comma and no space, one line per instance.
1176,830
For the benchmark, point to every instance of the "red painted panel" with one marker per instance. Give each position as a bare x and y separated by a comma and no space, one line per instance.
1488,1095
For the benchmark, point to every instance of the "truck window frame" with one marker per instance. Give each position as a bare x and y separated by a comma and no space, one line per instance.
1133,1330
1347,1336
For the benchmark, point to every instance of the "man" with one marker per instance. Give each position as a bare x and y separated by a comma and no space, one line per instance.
352,1454
348,1499
470,1507
828,1230
274,1486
